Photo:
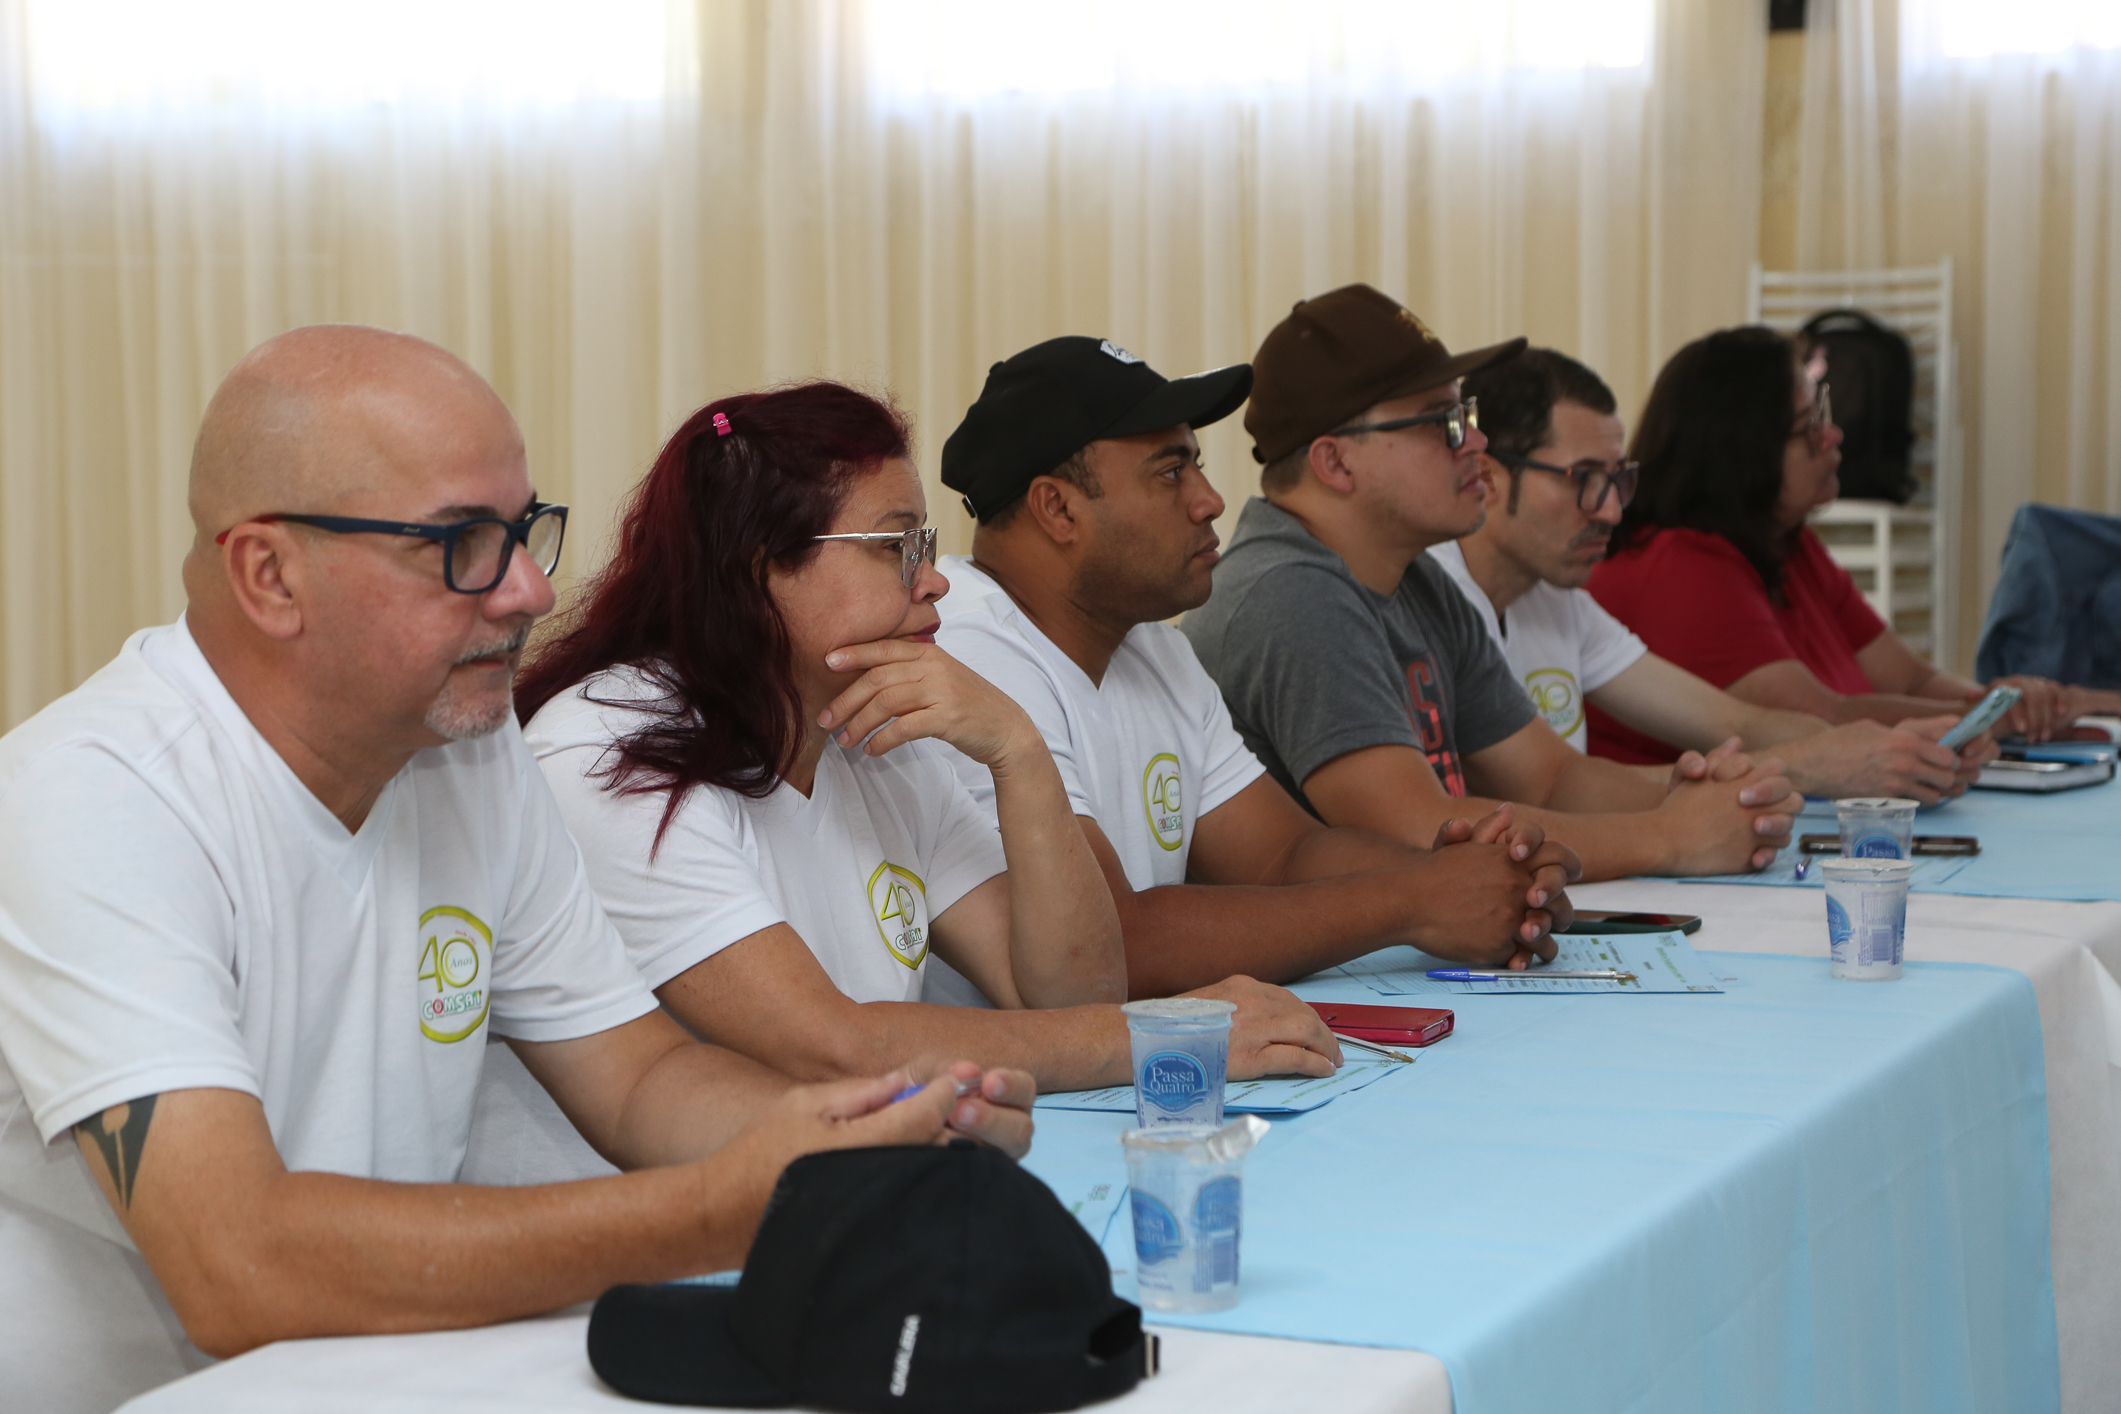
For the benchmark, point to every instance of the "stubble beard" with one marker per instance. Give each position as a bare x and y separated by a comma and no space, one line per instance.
1112,587
457,715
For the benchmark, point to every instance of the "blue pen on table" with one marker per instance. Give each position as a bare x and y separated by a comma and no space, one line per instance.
912,1090
1596,974
1804,865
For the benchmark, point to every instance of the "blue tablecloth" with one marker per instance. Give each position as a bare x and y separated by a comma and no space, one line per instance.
2058,846
1799,1195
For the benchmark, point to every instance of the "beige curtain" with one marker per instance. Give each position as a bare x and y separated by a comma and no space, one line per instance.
791,204
1916,145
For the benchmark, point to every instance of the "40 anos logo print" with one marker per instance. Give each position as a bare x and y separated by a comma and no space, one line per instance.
1164,799
898,901
456,956
1554,693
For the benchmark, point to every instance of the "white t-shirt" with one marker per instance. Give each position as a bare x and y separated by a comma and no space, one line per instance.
1146,753
859,869
180,912
1561,644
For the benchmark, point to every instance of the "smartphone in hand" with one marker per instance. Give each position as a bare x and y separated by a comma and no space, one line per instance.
1987,712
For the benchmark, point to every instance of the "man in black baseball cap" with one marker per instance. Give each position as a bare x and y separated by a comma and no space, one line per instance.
1095,526
1043,407
1354,667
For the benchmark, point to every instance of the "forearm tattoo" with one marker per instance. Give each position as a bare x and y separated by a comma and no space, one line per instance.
121,1133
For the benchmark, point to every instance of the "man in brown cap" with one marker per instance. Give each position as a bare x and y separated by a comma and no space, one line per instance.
1355,669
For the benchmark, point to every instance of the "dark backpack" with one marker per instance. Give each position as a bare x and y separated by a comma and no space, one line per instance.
1872,372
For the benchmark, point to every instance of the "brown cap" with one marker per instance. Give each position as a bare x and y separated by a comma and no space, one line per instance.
1336,355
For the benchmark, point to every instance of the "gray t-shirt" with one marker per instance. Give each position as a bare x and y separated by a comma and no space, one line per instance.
1314,665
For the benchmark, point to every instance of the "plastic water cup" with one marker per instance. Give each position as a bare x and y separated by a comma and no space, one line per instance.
1876,828
1866,916
1181,1056
1186,1187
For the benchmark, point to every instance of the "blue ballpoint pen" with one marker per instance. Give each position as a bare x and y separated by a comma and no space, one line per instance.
1460,974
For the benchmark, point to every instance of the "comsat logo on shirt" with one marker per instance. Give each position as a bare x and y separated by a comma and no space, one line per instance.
898,901
1553,692
1164,800
456,955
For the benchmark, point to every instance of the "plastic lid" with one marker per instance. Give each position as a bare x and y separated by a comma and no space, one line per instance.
1201,1143
1860,871
1878,802
1180,1008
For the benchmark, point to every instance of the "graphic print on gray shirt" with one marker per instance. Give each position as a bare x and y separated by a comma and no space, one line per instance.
1314,665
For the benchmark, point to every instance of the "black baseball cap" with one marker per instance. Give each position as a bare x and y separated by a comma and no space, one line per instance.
1344,351
1044,405
928,1280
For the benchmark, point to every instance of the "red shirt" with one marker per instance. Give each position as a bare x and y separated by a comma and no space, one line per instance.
1696,601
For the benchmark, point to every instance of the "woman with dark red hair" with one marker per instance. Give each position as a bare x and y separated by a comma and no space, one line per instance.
749,726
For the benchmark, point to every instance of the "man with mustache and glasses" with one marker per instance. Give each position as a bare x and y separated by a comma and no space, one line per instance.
1361,676
1081,465
277,873
1557,480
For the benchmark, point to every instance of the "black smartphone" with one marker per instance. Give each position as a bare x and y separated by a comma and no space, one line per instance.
1593,920
1923,844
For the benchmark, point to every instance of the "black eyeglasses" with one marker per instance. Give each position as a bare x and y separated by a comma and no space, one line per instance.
1813,428
475,552
915,545
1593,479
1458,419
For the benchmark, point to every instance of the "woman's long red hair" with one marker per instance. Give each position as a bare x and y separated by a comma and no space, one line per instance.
685,599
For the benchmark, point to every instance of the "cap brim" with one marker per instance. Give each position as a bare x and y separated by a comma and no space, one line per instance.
1459,367
1197,400
671,1344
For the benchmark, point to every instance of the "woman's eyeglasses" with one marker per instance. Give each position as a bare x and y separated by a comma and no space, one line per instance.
1594,480
1458,419
475,553
915,547
1813,428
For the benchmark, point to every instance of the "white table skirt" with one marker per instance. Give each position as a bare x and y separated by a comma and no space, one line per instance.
2071,952
541,1364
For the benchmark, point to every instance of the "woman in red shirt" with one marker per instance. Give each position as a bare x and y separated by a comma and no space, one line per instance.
1714,566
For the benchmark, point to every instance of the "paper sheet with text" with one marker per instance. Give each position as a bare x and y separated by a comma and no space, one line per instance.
1661,962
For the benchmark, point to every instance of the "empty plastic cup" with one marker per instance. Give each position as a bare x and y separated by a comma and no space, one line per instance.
1186,1197
1866,916
1181,1056
1876,828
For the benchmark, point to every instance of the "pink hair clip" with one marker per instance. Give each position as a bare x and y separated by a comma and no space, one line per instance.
721,424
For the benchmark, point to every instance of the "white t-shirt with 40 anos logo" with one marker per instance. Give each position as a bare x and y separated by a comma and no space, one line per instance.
177,911
1560,643
860,867
1146,753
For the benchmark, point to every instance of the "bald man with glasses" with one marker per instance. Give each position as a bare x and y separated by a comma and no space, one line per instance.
1557,481
1360,675
274,877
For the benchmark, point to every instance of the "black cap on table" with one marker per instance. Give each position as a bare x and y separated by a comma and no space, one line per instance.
927,1280
1047,403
